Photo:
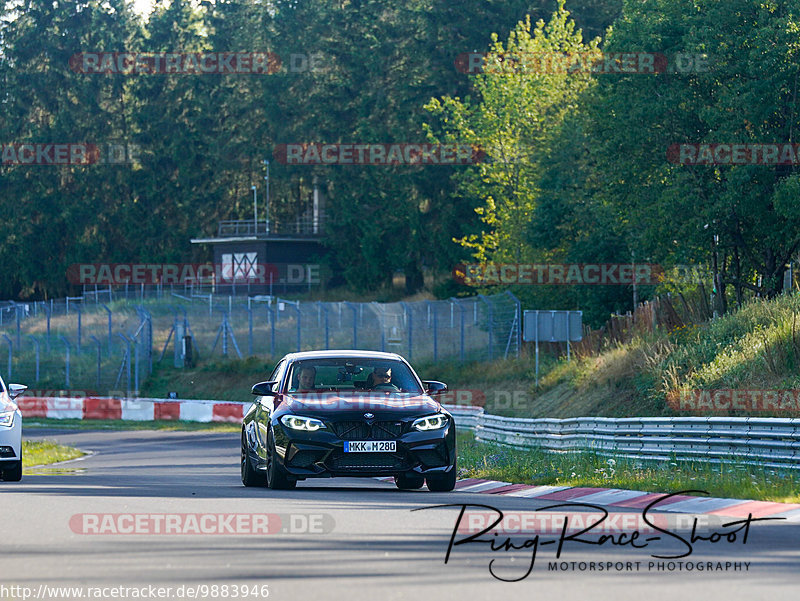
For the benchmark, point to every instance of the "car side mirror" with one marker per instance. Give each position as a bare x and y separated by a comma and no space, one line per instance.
434,387
14,390
264,389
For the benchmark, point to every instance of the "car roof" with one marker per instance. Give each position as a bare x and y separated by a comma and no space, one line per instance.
343,354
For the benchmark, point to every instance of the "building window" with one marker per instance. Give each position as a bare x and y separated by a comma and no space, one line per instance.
239,266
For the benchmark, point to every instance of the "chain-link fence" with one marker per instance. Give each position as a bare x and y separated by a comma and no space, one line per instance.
106,341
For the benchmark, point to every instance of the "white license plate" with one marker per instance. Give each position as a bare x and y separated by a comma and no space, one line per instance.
370,446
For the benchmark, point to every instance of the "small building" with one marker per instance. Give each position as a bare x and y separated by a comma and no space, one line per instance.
259,257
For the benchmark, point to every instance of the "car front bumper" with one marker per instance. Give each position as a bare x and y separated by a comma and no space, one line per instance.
321,454
11,441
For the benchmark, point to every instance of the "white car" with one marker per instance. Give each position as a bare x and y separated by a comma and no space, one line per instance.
10,432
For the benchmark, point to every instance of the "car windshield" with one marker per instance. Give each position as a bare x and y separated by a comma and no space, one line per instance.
352,375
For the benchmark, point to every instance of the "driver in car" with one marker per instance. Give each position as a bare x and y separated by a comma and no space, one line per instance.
306,378
381,378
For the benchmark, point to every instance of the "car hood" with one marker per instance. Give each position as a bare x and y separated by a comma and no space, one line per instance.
400,405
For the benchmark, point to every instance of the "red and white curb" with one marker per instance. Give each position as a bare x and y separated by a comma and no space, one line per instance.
130,409
215,411
633,499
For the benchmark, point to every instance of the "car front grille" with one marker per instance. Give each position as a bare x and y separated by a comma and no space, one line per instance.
366,461
354,430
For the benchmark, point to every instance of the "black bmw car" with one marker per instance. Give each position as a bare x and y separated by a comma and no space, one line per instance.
348,413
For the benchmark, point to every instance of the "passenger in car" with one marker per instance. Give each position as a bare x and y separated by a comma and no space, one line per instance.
379,376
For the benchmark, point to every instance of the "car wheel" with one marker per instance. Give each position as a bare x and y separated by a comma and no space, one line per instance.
409,482
250,476
276,477
442,482
14,472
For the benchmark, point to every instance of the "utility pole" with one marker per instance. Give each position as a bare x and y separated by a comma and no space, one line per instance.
255,209
266,180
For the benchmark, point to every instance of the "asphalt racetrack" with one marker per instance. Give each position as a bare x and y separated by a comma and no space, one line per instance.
167,509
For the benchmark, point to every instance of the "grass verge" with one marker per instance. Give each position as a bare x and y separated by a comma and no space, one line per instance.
45,452
534,466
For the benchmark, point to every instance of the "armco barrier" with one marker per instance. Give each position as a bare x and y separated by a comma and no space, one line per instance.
771,442
131,409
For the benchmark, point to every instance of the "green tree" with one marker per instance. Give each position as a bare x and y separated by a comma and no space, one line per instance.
520,100
747,94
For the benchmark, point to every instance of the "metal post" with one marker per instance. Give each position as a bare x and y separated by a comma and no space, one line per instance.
271,313
224,335
109,328
47,312
490,323
297,308
127,360
80,315
266,181
536,335
461,310
255,209
136,367
355,324
16,311
327,346
149,342
67,346
250,331
518,316
99,352
435,329
36,347
410,319
10,353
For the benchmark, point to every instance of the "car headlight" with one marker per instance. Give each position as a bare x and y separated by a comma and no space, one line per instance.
298,422
430,422
7,418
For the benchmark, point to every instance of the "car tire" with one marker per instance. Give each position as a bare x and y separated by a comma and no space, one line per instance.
276,477
442,482
14,472
409,482
250,476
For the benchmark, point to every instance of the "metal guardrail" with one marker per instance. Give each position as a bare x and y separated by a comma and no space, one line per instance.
301,226
769,442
